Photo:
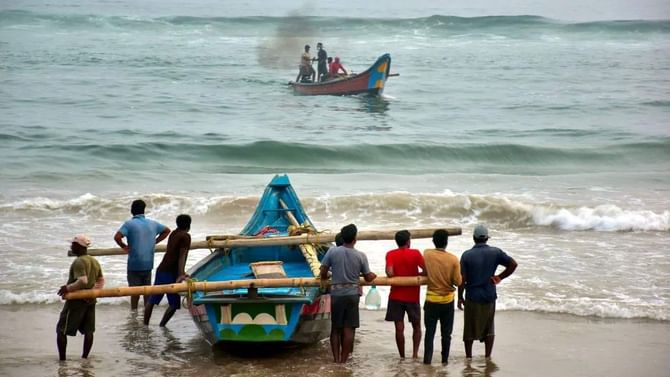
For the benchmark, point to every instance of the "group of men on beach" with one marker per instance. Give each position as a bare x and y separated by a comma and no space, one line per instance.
342,264
327,67
141,235
475,276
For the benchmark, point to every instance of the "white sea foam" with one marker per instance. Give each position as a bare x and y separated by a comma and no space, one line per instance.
392,207
586,306
601,218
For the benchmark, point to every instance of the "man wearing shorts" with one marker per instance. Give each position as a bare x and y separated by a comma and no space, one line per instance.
142,235
79,315
404,261
478,267
171,269
347,265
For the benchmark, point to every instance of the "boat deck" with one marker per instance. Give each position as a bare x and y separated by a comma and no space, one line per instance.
243,272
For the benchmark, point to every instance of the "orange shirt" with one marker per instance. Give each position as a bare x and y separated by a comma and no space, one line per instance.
444,275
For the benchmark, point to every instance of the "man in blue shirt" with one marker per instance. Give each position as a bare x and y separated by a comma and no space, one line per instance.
142,235
478,267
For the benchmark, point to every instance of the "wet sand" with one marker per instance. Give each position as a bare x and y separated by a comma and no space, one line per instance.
527,344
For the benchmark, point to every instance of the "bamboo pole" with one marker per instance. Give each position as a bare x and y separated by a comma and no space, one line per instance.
404,281
214,242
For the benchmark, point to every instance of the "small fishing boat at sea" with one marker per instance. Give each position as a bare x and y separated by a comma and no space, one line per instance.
371,81
249,314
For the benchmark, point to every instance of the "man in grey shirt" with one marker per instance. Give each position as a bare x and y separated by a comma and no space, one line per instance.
347,264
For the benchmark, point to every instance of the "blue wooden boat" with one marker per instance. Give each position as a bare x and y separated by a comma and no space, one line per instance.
291,315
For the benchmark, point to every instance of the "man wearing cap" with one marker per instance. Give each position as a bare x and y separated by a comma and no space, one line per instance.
85,273
142,235
478,267
305,69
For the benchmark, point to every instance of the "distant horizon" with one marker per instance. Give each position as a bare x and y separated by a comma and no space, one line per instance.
568,11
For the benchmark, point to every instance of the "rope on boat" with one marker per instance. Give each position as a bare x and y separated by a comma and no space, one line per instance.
308,250
189,294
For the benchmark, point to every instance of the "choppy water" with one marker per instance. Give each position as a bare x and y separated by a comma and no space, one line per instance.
553,132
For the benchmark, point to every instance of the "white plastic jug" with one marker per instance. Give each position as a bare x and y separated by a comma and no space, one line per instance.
373,300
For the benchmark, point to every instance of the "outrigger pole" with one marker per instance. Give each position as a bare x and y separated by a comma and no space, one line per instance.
225,242
192,286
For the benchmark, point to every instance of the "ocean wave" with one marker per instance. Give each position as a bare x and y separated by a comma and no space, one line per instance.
395,208
586,307
521,24
411,158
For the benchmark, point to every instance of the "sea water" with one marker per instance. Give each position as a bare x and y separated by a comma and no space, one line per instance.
550,127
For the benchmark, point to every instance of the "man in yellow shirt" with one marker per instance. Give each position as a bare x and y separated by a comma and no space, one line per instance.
444,276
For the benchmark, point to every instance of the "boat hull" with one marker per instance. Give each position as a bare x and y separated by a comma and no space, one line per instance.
371,82
303,324
263,315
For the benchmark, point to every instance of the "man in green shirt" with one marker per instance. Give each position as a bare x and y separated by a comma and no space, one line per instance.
85,273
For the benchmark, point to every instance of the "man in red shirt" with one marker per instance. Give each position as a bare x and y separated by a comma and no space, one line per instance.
335,67
404,261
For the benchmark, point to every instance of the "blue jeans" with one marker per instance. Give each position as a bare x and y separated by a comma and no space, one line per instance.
445,314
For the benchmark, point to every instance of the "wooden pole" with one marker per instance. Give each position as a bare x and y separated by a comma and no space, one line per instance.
216,242
404,281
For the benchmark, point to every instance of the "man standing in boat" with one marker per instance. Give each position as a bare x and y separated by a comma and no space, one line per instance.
172,269
347,265
404,261
322,62
305,69
79,315
142,235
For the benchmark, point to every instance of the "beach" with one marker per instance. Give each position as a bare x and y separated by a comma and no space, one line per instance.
527,344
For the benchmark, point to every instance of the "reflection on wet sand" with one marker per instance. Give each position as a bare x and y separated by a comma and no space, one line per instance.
484,368
83,368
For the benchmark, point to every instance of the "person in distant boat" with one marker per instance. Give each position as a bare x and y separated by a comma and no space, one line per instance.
172,269
79,315
322,66
142,235
444,276
404,261
330,63
478,267
305,70
347,265
335,68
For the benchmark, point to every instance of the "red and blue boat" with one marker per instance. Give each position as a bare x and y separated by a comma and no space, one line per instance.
370,82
